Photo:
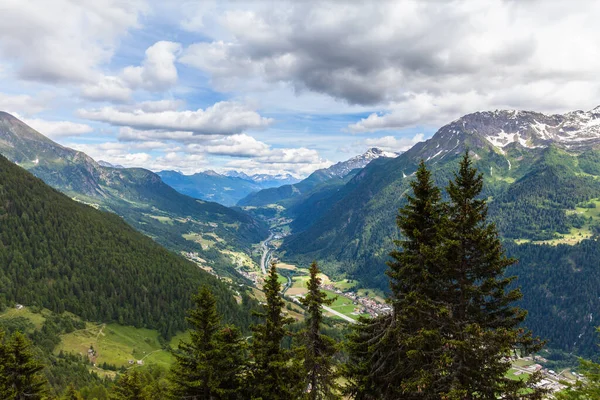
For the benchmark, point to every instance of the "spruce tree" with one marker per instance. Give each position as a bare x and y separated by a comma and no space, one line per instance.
21,372
202,369
318,349
398,355
482,330
129,387
4,360
230,363
72,394
275,374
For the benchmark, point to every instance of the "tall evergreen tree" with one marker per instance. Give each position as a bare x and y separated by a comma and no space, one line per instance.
230,363
129,387
72,394
397,356
275,374
201,370
21,371
483,328
318,349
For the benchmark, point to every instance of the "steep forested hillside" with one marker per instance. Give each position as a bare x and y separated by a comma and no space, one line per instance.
542,193
63,255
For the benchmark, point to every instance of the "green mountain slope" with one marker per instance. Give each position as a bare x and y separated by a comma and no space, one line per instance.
63,255
541,190
138,195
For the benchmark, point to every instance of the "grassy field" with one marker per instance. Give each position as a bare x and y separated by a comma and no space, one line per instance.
241,260
37,319
202,240
116,344
576,235
287,267
163,219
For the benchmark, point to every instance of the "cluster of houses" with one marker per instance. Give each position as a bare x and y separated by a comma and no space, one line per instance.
253,276
194,257
551,380
366,304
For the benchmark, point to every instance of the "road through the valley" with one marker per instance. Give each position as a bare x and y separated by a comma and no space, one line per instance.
266,255
264,261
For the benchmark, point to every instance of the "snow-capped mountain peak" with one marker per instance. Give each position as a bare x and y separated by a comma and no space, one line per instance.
503,129
342,168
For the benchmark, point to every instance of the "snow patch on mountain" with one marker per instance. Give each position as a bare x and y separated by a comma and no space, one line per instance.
343,168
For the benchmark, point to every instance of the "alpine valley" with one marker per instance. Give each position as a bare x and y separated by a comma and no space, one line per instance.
209,230
542,183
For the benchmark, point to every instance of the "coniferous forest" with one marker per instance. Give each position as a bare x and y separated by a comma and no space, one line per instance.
453,330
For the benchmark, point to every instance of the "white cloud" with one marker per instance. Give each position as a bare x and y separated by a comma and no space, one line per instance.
161,105
157,72
63,40
252,166
393,144
57,129
109,88
25,104
396,56
223,118
240,145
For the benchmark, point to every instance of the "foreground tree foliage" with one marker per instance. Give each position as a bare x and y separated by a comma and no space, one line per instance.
453,324
129,387
20,371
275,373
318,349
211,364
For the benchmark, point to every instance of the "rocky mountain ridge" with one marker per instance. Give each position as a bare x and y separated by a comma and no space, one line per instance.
502,130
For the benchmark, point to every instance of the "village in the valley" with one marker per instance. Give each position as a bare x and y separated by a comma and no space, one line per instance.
350,303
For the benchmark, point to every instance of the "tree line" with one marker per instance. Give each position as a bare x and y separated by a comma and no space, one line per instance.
452,332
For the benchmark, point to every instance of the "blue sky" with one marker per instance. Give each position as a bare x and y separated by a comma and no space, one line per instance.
276,87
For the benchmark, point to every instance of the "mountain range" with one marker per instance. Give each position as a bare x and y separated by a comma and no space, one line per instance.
177,221
226,189
542,181
333,175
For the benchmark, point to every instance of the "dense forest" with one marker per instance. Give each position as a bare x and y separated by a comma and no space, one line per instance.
453,328
66,256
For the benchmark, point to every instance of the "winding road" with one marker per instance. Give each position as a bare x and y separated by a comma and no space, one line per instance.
264,260
266,255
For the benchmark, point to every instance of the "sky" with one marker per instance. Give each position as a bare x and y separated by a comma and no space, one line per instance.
283,87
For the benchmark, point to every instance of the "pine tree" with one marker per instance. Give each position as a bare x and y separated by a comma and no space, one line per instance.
22,378
211,364
275,375
72,394
4,362
397,356
230,363
129,387
483,328
318,349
